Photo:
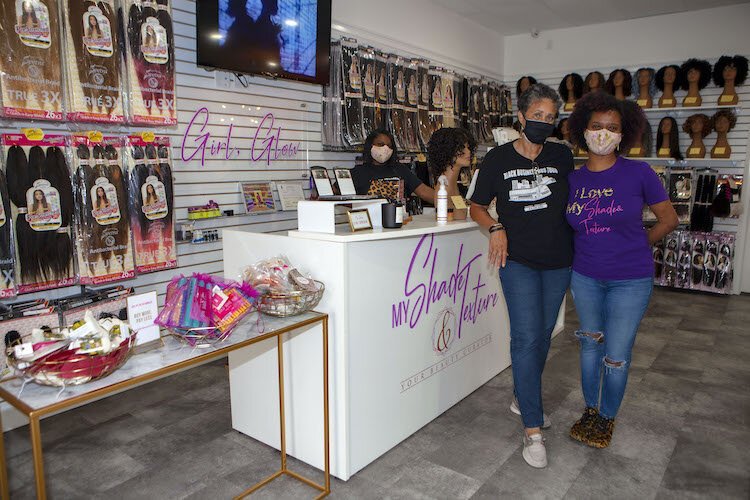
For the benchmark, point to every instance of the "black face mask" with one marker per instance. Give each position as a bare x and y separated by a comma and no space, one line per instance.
537,132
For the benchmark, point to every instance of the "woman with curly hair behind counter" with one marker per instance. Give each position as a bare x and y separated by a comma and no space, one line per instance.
449,151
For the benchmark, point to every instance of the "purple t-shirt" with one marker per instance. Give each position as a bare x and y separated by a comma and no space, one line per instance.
605,210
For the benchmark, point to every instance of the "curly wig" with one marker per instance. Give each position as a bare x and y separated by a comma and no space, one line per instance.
445,145
651,82
627,82
739,62
706,125
577,86
531,79
587,81
367,152
703,67
726,113
660,77
633,120
674,138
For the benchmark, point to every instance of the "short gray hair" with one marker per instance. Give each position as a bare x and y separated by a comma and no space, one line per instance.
535,93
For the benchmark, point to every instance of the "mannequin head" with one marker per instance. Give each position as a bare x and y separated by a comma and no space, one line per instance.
669,75
698,123
723,121
562,131
668,128
593,81
619,78
695,71
571,84
729,68
524,83
450,147
646,139
644,77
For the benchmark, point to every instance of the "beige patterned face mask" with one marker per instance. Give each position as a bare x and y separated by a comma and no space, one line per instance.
602,142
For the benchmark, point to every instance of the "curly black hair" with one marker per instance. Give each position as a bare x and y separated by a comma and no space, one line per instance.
739,62
726,113
627,82
557,134
631,115
587,81
445,145
367,154
703,66
706,126
577,86
531,79
674,138
677,77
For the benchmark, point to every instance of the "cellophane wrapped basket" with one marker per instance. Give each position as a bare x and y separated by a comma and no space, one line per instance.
67,367
291,303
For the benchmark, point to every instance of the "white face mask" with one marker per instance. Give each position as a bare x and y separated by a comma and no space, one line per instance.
602,142
381,154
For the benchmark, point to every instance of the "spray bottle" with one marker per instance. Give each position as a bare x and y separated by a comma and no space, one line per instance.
442,201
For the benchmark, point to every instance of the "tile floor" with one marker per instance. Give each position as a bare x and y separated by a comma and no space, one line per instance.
683,431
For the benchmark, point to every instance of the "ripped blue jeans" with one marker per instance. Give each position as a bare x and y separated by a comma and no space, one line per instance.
610,312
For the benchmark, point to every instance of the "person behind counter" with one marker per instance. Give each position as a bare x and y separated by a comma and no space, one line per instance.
449,151
532,244
380,161
613,268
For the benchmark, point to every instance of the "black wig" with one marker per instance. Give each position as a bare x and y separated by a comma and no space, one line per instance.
703,67
587,81
577,86
531,79
627,82
739,62
445,145
674,138
677,77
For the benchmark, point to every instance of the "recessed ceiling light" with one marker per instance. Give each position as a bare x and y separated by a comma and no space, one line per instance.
291,23
217,36
272,64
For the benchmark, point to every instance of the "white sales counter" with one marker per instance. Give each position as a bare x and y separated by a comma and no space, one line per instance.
417,323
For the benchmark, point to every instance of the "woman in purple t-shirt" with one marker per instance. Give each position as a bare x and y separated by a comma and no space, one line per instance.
613,267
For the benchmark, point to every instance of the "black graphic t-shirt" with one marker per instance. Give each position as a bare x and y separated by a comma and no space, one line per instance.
531,200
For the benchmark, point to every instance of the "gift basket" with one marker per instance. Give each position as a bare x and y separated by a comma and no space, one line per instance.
89,350
283,290
203,309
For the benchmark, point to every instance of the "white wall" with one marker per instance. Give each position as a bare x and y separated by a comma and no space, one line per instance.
704,33
422,28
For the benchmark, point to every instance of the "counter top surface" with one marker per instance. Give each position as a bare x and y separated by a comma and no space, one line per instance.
420,224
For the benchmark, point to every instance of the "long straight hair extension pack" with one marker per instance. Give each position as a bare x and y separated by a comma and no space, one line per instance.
93,61
423,108
382,91
40,189
398,91
449,101
7,245
151,202
30,67
352,85
436,99
411,117
104,248
332,103
149,62
367,62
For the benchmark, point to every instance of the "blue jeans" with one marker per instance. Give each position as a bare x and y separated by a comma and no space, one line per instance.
610,312
533,297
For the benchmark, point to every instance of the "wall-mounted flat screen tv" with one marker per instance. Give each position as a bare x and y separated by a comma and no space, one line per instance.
280,38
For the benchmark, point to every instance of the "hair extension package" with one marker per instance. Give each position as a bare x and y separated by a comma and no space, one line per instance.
93,61
367,62
105,252
42,196
149,62
151,202
352,84
30,66
7,245
423,80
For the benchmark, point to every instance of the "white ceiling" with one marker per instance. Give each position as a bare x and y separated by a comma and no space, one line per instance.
513,17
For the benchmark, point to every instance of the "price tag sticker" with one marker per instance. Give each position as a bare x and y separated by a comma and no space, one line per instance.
458,202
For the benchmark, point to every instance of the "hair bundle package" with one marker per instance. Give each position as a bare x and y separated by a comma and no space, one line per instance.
105,252
7,246
423,107
151,196
30,65
149,62
94,61
39,187
352,86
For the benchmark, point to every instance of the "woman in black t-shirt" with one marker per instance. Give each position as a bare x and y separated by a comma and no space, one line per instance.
532,245
379,161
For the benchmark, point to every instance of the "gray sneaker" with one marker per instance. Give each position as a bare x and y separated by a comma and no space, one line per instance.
534,451
517,410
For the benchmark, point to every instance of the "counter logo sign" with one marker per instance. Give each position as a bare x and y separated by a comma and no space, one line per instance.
442,333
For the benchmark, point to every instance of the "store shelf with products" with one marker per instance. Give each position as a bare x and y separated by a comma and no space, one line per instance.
687,163
678,111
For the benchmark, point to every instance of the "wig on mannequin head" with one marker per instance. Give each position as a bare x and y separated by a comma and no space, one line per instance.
577,86
660,77
740,64
706,124
587,82
531,80
558,130
445,145
627,82
367,153
674,138
724,113
636,89
704,67
632,118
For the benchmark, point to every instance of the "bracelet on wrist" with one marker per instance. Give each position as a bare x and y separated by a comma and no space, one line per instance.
496,227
